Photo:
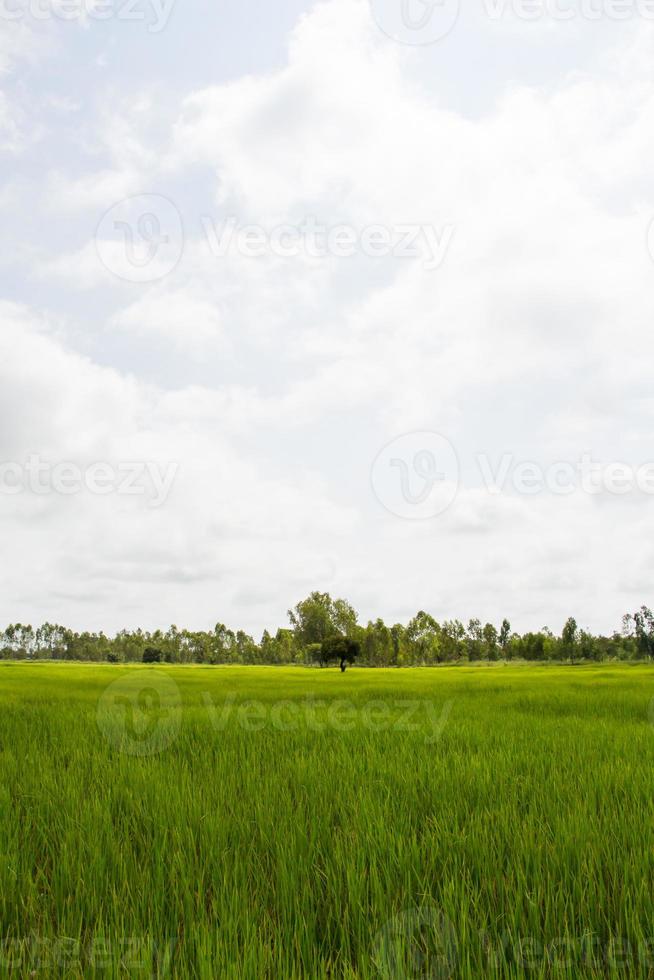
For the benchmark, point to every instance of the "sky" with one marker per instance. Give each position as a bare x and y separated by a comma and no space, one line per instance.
352,296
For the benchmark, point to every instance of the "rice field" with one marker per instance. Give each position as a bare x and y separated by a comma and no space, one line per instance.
293,823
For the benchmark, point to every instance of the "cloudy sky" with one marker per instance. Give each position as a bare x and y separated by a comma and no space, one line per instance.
345,295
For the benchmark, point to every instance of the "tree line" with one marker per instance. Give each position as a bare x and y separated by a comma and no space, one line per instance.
321,629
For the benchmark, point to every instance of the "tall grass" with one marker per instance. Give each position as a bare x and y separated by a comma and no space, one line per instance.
494,823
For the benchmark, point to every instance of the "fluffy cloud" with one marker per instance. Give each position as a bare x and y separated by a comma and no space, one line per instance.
225,514
274,382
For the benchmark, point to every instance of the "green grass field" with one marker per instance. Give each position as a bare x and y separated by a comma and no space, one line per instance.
292,823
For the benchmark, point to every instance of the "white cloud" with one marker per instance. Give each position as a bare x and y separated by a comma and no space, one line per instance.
532,339
182,317
12,127
225,514
89,192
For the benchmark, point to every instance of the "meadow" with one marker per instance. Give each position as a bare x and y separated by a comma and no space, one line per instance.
219,822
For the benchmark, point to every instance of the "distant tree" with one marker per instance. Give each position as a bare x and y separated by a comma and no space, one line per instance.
474,640
325,630
590,647
222,645
423,635
340,649
246,648
289,652
130,646
490,641
344,617
172,644
398,633
21,640
531,646
319,616
569,637
452,640
377,643
644,629
50,641
315,654
505,635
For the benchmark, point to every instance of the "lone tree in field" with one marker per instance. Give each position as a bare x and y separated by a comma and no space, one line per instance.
319,616
325,629
339,648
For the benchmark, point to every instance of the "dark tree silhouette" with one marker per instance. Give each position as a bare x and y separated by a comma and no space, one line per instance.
339,648
151,655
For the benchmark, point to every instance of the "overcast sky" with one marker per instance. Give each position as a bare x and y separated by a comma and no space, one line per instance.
350,296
